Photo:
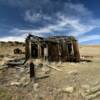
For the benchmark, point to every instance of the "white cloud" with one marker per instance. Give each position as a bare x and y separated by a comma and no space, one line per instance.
79,8
89,38
66,20
17,3
77,29
13,38
75,19
34,17
69,10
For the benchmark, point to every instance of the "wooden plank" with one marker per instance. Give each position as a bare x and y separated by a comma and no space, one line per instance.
54,68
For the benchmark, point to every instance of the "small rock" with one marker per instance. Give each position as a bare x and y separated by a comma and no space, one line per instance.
74,72
69,89
85,86
46,70
22,79
84,62
95,83
22,70
3,66
36,86
15,83
25,84
40,65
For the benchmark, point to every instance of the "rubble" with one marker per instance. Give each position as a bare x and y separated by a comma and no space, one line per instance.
15,83
73,72
68,80
46,70
85,87
92,96
69,89
57,69
36,86
17,51
3,67
93,90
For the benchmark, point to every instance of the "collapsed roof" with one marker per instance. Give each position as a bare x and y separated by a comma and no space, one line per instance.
55,48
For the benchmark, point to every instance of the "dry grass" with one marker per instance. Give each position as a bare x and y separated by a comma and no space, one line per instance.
72,74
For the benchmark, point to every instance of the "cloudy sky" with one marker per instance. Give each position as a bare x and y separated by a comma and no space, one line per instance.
80,18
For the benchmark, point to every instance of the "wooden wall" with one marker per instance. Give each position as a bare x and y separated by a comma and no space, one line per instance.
76,51
53,52
56,51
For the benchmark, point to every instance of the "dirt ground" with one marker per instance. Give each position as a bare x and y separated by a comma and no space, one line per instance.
64,81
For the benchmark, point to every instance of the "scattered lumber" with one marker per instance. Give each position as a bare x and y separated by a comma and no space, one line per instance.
54,68
92,96
93,93
93,90
3,67
15,62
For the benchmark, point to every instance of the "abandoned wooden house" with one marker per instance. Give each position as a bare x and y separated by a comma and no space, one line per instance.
55,48
17,51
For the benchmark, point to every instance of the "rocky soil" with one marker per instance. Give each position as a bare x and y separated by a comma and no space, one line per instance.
54,81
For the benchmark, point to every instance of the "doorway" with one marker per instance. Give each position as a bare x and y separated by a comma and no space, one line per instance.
34,51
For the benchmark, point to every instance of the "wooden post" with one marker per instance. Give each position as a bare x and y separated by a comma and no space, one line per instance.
67,52
26,49
59,50
39,51
32,71
30,47
46,53
76,51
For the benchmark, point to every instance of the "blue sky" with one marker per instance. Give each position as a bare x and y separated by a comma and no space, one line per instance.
80,18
